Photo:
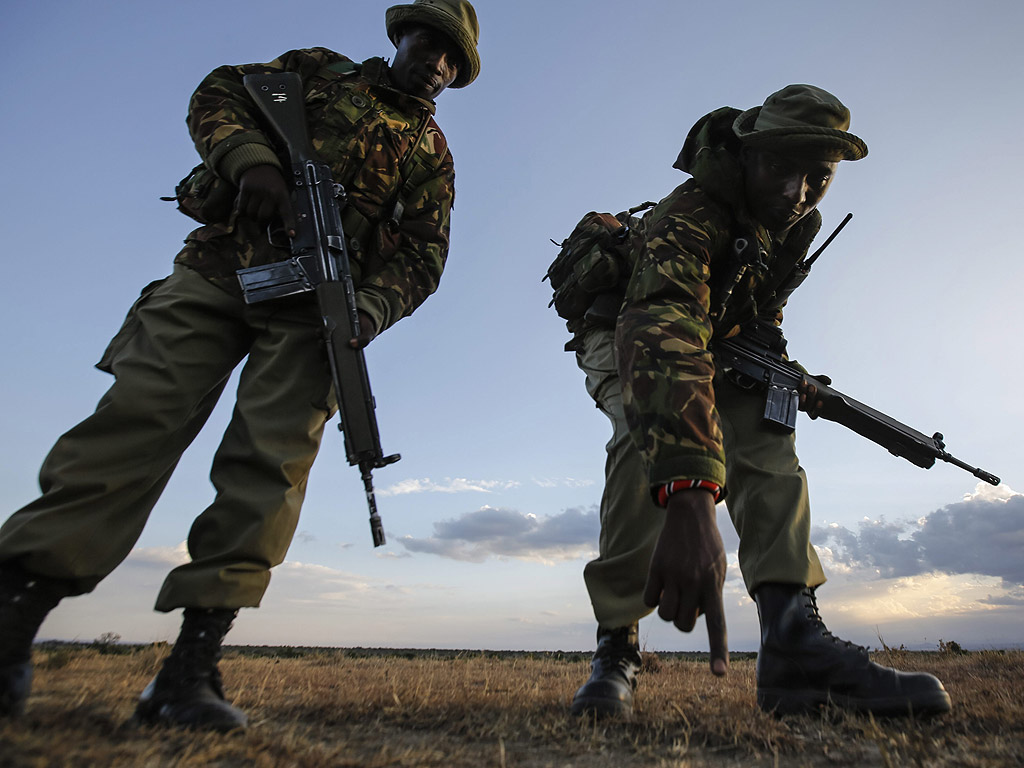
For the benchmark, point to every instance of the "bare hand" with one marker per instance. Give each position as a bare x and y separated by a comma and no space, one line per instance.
810,402
367,331
688,570
263,196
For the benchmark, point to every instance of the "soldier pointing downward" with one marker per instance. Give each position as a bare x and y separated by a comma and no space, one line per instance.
710,258
372,123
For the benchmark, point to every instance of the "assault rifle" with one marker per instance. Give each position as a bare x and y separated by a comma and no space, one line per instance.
757,354
319,262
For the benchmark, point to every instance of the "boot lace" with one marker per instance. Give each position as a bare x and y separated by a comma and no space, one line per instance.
196,653
811,604
618,646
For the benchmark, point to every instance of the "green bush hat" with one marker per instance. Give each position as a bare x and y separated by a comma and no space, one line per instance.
804,120
456,18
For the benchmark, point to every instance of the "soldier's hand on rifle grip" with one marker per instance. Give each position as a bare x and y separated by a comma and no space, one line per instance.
810,403
264,196
367,331
688,570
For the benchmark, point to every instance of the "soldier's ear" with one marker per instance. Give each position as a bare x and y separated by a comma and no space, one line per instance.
397,34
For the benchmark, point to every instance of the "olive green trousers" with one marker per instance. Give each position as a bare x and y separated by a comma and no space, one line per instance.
171,361
766,496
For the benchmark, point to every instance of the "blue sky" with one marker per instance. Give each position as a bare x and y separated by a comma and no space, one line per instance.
580,105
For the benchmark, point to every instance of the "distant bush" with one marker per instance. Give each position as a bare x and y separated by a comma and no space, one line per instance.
951,647
109,643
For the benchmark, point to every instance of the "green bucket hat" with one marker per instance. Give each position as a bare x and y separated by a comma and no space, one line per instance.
801,119
456,18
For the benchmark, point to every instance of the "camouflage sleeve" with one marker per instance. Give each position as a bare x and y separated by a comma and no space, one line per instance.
664,364
226,133
413,256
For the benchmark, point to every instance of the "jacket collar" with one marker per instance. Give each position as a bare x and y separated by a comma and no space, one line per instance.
377,71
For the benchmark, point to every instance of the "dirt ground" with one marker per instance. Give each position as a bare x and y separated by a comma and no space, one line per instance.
320,707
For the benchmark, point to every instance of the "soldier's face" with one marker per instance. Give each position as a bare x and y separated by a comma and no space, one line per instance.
783,189
426,62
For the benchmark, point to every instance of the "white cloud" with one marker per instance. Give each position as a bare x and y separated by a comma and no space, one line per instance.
164,557
561,482
987,492
448,485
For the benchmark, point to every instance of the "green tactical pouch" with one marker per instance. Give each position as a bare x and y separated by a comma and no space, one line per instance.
593,261
589,262
204,196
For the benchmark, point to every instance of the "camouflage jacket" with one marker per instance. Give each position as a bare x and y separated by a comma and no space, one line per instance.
668,317
368,133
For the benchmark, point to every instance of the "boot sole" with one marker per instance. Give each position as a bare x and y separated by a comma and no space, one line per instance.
600,707
781,701
169,716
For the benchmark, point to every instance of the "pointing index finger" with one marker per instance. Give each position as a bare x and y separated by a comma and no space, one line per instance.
714,616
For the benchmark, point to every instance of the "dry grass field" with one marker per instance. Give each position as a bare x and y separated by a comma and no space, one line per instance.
331,708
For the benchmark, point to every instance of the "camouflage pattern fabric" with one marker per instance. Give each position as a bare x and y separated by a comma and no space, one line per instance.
666,325
366,131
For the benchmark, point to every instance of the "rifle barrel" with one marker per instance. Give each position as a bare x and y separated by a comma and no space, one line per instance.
979,473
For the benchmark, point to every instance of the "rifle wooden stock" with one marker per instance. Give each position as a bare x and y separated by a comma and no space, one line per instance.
320,263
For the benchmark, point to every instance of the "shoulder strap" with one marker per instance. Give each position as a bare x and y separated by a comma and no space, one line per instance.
421,162
786,271
344,67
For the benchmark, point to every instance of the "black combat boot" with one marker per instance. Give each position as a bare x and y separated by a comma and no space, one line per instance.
24,602
609,690
802,665
187,691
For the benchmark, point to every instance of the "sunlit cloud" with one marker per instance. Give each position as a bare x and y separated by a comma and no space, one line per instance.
955,571
392,555
448,485
506,533
164,558
981,535
931,595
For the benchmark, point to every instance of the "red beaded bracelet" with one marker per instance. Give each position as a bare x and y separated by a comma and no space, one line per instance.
678,485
